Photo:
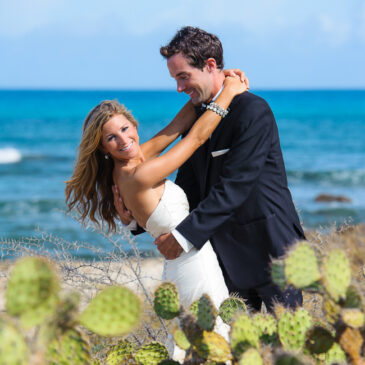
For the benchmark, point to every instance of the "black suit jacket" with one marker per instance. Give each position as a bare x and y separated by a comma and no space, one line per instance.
240,200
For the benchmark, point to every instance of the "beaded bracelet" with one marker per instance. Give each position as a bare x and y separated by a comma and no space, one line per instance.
214,107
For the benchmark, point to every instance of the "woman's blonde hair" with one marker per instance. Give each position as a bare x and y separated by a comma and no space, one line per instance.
90,188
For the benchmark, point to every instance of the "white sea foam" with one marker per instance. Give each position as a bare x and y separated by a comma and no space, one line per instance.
9,155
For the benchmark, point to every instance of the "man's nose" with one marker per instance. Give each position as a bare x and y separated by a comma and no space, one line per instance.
180,87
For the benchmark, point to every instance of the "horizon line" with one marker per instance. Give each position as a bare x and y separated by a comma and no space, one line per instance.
79,89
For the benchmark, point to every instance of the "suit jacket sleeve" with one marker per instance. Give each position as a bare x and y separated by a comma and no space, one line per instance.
252,135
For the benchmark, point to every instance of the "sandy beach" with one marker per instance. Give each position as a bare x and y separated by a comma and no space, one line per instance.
89,277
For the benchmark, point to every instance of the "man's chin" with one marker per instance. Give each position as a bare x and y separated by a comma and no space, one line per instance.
196,101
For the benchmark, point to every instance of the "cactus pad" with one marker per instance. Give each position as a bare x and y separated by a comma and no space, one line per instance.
353,317
251,357
267,327
278,273
120,352
167,301
229,308
207,313
151,354
301,266
180,339
319,340
32,290
115,311
243,334
212,347
353,298
13,349
331,309
289,359
335,355
351,342
292,329
70,348
336,274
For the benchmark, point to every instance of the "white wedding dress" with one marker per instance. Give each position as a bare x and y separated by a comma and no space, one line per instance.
196,272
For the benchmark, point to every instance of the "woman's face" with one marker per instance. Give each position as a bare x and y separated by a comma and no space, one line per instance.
120,138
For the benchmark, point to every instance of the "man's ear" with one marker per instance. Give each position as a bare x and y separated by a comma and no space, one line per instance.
211,64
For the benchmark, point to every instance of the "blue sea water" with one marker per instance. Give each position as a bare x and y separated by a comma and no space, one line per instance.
322,136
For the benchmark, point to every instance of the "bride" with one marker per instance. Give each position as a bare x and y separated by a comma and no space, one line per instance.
110,153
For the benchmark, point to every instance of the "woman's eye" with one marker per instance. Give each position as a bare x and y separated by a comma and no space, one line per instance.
110,138
124,129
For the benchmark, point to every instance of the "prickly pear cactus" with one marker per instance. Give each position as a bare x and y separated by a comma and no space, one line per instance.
331,309
229,308
180,339
289,359
353,317
194,308
319,340
243,334
353,298
251,357
13,349
292,329
301,266
351,342
336,274
70,348
32,290
212,347
267,327
115,311
279,310
278,273
167,301
335,355
189,326
120,352
151,354
207,313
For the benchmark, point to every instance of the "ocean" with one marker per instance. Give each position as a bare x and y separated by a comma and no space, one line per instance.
322,136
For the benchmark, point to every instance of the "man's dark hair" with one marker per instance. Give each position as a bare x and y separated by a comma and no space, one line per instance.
196,45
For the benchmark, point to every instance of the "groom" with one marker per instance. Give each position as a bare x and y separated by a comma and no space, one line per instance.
236,183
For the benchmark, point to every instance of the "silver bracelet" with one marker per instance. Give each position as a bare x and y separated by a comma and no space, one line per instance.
214,107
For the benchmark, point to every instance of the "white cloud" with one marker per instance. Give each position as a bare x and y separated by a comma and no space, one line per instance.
19,17
361,19
262,19
336,31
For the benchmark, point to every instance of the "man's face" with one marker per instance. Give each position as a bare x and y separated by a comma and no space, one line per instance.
196,83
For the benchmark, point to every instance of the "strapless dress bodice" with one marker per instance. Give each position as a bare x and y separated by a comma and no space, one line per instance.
170,211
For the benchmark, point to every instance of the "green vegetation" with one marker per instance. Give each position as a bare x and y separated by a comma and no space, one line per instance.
44,325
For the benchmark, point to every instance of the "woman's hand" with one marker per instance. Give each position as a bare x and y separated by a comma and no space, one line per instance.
234,85
237,72
124,214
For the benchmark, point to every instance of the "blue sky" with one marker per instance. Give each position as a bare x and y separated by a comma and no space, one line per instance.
280,44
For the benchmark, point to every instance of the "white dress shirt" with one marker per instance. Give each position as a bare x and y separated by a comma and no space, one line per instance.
183,242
